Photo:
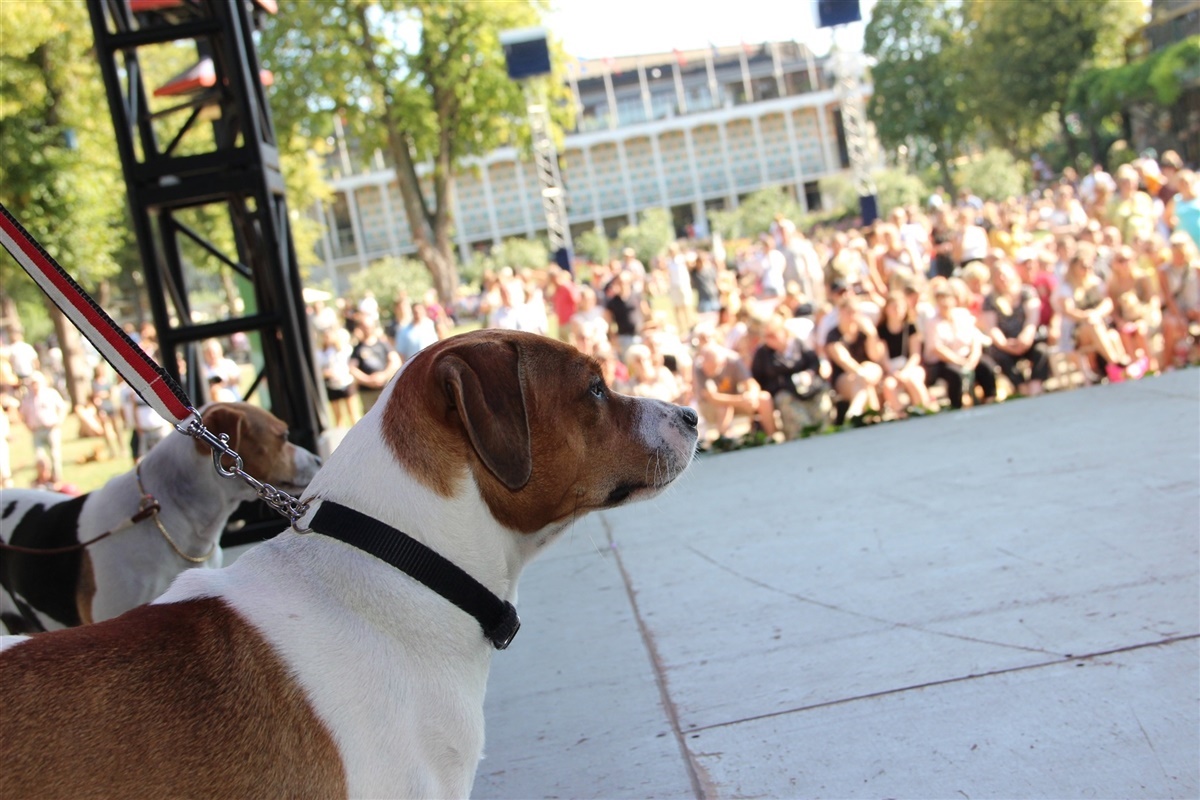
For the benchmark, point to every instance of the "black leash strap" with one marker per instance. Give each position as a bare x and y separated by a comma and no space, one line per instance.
497,617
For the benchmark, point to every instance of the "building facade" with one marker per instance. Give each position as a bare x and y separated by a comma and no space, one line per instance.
690,131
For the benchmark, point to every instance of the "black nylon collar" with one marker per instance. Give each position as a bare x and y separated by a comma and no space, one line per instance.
497,617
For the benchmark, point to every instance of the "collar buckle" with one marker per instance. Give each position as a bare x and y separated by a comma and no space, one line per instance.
504,631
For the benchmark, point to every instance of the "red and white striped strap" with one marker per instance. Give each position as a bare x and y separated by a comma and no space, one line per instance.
148,379
145,377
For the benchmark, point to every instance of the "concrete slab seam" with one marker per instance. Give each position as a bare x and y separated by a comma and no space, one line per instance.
864,615
694,771
947,682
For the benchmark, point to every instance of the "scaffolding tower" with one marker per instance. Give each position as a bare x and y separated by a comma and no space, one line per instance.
206,195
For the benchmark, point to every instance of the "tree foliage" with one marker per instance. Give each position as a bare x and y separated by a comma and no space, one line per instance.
995,174
60,175
952,76
922,97
754,214
650,236
423,81
593,245
1024,57
894,188
388,278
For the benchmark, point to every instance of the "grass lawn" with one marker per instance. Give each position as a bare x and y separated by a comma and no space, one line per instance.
81,468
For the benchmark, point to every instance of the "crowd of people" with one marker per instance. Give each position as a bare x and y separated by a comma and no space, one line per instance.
957,301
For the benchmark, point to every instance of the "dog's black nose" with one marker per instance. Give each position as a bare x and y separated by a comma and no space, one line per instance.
689,416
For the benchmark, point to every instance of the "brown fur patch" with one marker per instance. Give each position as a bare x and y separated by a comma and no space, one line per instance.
583,447
258,436
176,700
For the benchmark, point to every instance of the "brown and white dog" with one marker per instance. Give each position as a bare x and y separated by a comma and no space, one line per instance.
312,669
138,561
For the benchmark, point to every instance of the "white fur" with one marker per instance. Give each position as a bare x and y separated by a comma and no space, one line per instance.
136,564
395,671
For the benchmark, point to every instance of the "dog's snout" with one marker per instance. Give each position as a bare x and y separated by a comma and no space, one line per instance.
689,416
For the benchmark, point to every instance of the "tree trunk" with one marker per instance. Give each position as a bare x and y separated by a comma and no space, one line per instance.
78,376
944,165
430,228
9,318
1072,142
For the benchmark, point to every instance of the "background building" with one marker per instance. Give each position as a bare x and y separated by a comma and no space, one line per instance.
690,131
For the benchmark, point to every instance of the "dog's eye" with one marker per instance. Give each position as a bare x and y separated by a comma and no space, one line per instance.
597,388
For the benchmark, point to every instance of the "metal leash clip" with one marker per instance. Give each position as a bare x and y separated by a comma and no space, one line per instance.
291,507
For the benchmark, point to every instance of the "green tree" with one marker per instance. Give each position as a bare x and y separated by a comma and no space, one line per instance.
650,236
424,81
387,278
996,175
921,98
1024,56
593,245
896,188
755,213
520,253
60,176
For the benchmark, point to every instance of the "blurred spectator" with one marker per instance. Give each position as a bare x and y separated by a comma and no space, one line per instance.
971,240
22,356
902,369
626,309
724,387
790,372
649,376
43,410
1086,306
334,360
220,374
954,350
703,274
566,301
1010,317
416,333
1179,278
679,286
1137,312
373,362
589,325
1186,206
854,350
630,263
532,316
104,400
1131,210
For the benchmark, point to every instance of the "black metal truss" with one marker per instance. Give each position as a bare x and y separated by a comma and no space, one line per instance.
235,171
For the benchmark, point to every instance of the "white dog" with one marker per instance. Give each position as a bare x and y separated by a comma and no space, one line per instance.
311,668
146,551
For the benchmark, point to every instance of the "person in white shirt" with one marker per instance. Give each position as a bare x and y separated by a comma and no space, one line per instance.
43,410
22,357
679,287
222,376
773,266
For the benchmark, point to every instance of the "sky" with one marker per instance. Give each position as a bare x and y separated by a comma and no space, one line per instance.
589,29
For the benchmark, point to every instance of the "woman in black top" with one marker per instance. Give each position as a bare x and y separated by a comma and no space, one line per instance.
850,346
902,363
1010,318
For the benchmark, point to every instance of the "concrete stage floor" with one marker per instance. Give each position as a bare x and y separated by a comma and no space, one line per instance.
1000,602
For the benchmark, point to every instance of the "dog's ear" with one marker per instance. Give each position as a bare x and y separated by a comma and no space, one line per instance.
485,383
223,418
